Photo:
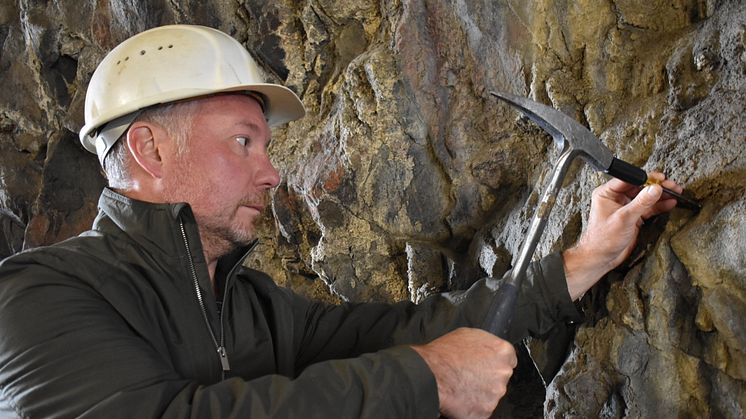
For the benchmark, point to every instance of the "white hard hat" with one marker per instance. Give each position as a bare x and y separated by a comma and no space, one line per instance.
172,63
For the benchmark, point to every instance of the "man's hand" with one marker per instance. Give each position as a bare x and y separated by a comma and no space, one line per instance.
618,210
472,368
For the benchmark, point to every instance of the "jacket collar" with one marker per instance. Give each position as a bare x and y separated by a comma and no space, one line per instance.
157,227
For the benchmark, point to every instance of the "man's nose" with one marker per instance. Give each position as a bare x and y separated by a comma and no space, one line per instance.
268,175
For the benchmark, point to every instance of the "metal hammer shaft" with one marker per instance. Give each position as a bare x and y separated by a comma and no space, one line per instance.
502,308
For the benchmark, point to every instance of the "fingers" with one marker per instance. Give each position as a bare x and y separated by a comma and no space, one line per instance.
618,210
656,177
622,192
646,204
660,178
472,369
666,202
669,184
618,185
616,190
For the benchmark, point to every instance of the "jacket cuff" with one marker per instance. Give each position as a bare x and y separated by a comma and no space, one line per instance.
418,381
556,293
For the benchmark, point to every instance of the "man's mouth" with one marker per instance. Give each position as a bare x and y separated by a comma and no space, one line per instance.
257,203
257,207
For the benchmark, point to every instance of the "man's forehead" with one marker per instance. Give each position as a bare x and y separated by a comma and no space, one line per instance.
226,103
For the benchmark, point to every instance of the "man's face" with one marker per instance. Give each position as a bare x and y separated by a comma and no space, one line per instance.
225,174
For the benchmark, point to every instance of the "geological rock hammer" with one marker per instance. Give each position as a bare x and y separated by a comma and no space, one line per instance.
574,140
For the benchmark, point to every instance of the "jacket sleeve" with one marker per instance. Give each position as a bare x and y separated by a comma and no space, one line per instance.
64,352
351,329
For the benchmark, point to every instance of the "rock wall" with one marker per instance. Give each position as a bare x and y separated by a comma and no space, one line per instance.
407,178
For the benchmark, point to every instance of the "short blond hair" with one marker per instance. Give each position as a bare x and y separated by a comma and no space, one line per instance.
176,118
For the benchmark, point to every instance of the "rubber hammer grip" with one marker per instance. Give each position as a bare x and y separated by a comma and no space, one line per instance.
500,314
622,170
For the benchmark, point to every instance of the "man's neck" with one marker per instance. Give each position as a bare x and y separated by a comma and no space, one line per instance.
211,266
213,249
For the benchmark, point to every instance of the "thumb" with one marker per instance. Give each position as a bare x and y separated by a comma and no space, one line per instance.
644,201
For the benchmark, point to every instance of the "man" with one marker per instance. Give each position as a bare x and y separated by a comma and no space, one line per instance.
150,313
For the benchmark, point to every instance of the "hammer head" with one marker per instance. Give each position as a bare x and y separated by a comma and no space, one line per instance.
566,132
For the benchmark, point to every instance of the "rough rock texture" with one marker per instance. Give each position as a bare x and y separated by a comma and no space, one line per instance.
407,178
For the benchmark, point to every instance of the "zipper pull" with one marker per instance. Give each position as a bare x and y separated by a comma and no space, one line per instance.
224,359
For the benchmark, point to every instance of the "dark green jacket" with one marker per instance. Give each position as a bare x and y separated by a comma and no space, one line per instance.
110,324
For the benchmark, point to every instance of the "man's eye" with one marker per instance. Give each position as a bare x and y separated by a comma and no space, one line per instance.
242,141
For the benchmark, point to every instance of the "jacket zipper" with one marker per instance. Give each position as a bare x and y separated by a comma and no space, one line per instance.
219,346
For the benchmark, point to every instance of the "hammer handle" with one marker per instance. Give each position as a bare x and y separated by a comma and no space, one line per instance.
629,173
503,305
500,314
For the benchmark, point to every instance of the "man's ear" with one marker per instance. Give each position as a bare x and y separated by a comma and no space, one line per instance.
144,147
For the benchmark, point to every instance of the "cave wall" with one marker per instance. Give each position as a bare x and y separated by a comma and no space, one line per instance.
407,178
